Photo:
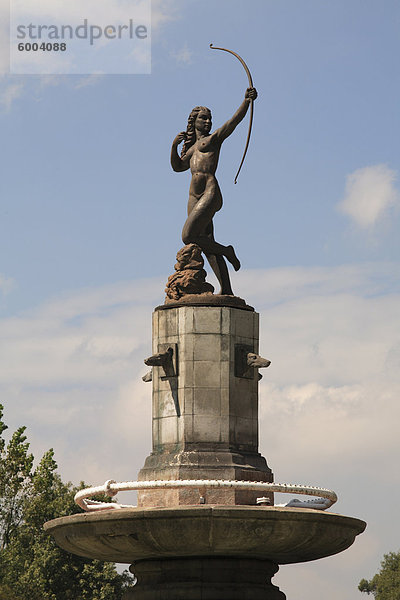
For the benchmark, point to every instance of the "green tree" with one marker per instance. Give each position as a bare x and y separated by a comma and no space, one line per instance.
385,585
15,468
31,564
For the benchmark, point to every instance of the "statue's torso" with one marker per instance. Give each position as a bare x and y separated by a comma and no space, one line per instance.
204,157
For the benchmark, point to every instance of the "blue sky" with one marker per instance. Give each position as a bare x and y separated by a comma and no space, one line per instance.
91,217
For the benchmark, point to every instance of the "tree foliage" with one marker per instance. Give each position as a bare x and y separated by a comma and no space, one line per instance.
385,585
31,564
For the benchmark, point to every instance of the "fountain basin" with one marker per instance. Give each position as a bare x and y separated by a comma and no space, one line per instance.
282,535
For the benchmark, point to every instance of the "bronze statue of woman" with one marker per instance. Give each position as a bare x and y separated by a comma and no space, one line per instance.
200,153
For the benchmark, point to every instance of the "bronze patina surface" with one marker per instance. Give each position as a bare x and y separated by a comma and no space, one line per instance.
200,154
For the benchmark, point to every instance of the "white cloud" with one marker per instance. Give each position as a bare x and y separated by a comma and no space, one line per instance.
308,427
88,81
182,56
71,370
165,11
9,93
370,194
268,288
88,338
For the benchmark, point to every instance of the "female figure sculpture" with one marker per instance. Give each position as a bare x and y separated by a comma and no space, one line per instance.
200,153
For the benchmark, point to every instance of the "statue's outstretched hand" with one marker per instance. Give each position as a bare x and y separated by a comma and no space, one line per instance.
251,93
179,138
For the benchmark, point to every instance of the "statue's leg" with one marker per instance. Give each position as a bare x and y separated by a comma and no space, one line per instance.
195,232
218,265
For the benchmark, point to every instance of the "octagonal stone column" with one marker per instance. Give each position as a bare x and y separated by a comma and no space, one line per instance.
205,410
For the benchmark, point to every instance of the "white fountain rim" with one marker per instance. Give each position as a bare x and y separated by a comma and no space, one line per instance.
111,488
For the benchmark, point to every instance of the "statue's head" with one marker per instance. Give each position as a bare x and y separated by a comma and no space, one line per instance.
203,120
200,119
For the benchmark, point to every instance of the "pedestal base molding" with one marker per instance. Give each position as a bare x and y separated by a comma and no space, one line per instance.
204,465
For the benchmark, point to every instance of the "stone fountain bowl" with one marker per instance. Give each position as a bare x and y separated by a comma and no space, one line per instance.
282,535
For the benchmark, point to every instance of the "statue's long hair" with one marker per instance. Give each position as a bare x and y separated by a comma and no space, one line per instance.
190,130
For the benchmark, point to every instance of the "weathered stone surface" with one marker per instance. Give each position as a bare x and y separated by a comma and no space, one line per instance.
281,535
211,464
205,420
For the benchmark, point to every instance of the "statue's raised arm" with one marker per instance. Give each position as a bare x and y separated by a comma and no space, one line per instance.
225,130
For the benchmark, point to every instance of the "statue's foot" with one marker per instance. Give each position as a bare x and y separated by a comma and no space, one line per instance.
233,259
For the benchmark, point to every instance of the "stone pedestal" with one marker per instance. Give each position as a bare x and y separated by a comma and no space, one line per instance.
205,578
205,406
